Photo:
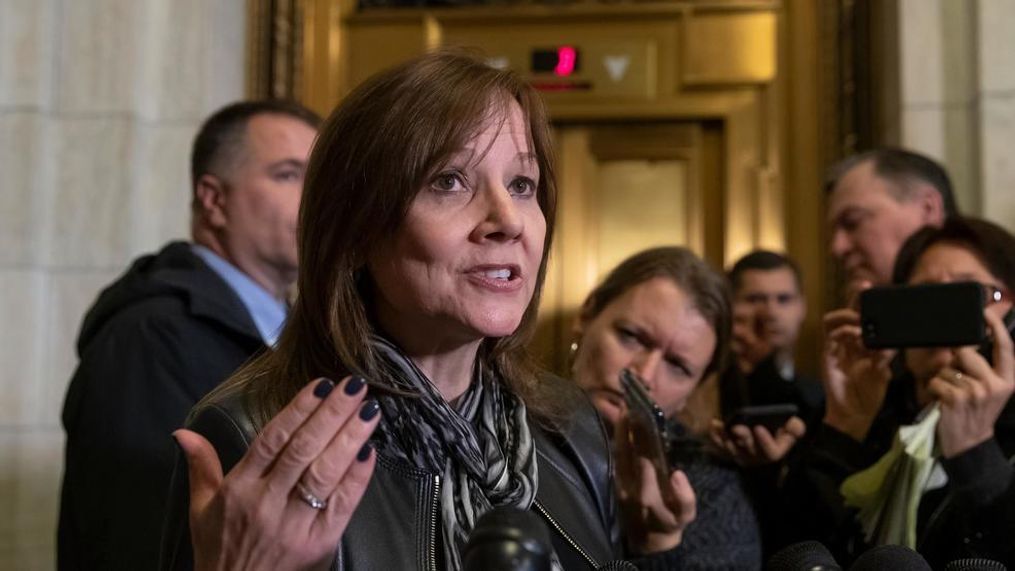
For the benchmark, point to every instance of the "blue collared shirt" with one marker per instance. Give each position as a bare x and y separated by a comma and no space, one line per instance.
268,313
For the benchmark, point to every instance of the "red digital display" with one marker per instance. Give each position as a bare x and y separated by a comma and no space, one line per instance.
567,58
562,61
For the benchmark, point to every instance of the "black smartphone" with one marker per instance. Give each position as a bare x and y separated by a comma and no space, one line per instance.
925,315
771,416
646,428
648,423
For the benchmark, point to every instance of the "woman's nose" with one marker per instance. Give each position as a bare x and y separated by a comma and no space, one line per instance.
502,221
646,365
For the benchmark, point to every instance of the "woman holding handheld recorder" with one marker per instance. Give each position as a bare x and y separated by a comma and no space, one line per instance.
966,506
423,239
665,315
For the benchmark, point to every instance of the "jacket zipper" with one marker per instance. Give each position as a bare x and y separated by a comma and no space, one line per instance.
546,515
435,510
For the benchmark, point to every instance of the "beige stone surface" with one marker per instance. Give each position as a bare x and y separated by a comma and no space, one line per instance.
996,45
938,59
161,183
21,347
89,211
225,79
920,61
948,134
23,144
191,58
99,62
923,130
997,160
30,473
26,52
958,48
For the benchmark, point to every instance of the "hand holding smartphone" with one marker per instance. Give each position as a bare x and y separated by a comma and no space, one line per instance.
771,416
646,425
654,516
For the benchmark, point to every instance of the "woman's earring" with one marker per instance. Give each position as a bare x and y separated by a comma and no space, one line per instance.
572,357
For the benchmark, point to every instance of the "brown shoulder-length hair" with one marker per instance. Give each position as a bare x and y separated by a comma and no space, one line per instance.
379,147
707,287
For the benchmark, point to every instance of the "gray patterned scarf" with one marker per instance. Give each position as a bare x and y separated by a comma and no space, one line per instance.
482,447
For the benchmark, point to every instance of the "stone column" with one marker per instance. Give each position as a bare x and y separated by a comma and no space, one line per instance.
956,89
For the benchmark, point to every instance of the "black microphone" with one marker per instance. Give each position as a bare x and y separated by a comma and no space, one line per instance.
508,539
803,556
975,565
890,557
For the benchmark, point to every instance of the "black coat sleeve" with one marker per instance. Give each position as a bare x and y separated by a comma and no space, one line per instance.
231,439
134,385
982,503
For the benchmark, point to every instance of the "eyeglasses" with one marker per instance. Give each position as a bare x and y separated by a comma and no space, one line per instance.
994,294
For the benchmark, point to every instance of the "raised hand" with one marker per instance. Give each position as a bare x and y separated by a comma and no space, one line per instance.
654,518
287,502
756,446
855,378
972,393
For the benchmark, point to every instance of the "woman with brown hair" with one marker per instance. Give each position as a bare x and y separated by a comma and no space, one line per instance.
665,315
424,230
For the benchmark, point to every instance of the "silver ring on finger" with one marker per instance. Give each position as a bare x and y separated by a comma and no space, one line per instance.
307,496
953,376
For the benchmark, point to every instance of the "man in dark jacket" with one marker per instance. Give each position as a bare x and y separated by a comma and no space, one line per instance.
768,311
174,326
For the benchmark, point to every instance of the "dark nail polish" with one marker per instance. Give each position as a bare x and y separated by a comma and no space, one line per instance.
354,386
323,388
364,452
369,410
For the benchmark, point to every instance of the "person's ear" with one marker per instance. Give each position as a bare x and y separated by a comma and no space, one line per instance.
210,199
931,204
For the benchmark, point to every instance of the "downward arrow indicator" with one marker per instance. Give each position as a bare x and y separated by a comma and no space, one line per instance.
616,66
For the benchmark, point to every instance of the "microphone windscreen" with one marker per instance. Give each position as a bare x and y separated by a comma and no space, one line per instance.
618,566
975,565
803,556
890,557
508,539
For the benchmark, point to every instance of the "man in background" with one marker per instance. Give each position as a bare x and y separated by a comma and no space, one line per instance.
878,199
174,326
768,311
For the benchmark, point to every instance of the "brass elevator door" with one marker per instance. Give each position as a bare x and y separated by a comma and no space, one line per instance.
622,189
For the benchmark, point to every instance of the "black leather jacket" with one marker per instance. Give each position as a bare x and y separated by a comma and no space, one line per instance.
396,525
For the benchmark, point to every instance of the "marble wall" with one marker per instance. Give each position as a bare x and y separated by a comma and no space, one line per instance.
996,99
956,89
99,101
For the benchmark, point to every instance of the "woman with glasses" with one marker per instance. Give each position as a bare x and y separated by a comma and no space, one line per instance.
964,502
